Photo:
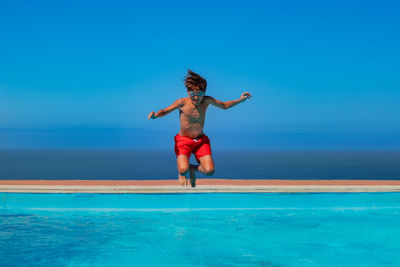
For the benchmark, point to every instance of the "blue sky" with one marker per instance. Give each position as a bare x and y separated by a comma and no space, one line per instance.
85,74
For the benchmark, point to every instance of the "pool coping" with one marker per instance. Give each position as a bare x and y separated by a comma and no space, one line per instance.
203,186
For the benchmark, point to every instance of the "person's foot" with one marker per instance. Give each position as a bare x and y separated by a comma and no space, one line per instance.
193,175
182,180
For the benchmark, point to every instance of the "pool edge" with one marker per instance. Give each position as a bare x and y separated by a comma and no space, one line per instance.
204,186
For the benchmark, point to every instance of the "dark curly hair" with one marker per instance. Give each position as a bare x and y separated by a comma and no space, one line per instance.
194,82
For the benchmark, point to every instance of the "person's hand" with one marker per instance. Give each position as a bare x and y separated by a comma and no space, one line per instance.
152,115
245,96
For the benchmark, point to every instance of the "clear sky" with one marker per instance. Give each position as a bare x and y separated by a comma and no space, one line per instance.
324,74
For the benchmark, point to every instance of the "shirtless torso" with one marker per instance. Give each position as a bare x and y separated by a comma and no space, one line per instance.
192,117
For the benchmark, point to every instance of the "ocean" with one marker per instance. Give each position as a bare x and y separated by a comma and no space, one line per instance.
146,165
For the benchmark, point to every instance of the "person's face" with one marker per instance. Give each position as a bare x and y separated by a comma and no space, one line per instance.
196,96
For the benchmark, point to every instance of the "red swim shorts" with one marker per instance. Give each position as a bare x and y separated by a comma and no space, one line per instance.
199,146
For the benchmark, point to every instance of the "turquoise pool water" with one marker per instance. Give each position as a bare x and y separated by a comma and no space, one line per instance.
358,229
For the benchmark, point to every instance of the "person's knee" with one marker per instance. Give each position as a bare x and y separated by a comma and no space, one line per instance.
183,169
209,171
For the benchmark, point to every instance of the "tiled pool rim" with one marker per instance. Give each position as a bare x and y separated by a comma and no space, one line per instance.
203,186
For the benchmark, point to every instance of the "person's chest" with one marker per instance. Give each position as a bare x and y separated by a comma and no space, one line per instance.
194,113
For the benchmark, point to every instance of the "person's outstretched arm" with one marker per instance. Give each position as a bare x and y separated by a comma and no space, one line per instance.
228,104
177,104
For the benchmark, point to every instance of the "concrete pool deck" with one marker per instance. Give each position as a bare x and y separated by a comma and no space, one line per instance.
203,186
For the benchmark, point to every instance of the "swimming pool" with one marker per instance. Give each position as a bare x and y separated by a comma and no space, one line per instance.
225,229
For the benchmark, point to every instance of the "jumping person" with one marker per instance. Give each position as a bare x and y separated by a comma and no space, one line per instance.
191,139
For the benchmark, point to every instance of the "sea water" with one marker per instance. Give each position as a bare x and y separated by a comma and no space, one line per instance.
126,164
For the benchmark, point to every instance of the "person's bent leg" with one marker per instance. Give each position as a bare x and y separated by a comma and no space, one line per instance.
206,165
183,168
192,172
